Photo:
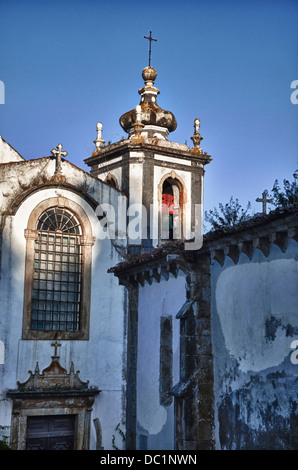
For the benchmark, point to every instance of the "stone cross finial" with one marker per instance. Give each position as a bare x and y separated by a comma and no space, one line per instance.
58,154
196,138
56,345
150,38
197,125
264,200
99,140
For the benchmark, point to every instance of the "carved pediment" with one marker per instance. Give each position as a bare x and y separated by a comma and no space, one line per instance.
53,377
53,380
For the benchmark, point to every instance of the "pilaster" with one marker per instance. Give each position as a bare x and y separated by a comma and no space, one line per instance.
194,395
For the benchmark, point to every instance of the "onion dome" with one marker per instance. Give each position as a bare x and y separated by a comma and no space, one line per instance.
149,113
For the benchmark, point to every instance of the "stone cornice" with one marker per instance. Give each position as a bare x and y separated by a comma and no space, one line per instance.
15,394
260,233
124,146
107,165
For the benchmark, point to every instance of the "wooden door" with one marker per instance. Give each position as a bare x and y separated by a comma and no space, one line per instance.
50,432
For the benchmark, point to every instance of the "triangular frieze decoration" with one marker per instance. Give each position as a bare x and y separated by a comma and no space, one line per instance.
53,377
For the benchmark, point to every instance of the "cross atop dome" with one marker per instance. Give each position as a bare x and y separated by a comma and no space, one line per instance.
150,38
155,121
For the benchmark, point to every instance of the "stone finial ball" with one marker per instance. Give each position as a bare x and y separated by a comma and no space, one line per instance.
149,74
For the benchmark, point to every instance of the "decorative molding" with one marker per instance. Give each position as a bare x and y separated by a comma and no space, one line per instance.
30,234
88,241
66,393
53,377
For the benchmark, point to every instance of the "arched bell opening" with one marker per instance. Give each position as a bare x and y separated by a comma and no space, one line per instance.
111,181
171,210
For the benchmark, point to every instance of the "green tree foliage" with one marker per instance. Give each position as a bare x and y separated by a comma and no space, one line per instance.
286,196
4,446
227,215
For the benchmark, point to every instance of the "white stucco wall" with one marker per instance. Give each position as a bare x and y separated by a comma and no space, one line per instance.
154,420
270,289
248,294
254,321
7,153
99,359
116,172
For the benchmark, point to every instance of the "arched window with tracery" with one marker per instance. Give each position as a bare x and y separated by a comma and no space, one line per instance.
57,272
57,277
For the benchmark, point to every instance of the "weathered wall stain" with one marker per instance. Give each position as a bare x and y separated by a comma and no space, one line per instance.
261,302
254,321
272,324
260,415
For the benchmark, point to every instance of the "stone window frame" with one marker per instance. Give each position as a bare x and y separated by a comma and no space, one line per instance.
87,241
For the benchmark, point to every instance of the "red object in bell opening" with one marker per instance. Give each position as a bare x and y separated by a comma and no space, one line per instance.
168,201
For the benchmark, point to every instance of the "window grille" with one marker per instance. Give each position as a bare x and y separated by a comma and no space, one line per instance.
57,278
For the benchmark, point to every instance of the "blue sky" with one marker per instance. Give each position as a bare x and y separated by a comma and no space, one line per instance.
68,64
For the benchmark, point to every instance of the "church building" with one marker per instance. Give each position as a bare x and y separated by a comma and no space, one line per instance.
119,331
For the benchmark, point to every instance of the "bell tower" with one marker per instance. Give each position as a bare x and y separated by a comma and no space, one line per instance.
163,178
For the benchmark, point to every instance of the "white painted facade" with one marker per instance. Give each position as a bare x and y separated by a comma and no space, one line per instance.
117,172
101,358
155,422
140,165
137,179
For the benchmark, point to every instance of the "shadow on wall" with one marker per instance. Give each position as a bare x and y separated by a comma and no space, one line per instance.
11,299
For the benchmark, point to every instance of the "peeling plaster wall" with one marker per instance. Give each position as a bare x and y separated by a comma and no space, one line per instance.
100,359
155,422
254,321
